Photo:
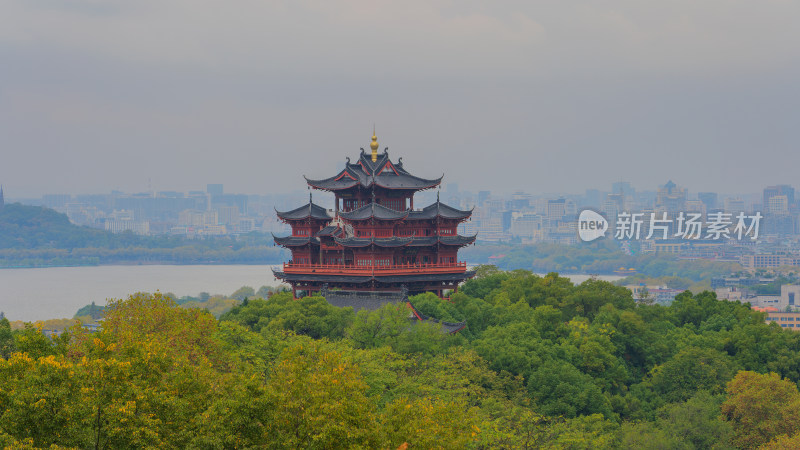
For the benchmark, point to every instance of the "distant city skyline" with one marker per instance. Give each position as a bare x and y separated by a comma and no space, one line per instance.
537,96
733,223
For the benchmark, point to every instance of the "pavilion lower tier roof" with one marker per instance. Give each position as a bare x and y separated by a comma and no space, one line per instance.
439,209
374,210
330,230
430,212
310,209
372,300
295,241
358,300
389,279
423,241
448,327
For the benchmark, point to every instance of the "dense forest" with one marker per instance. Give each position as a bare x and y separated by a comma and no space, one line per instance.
32,236
543,363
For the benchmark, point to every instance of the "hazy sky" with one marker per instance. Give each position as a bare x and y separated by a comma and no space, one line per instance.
541,96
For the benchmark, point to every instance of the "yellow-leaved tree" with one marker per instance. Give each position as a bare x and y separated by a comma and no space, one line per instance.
761,407
317,400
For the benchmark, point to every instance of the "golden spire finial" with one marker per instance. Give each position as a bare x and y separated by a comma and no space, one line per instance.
374,145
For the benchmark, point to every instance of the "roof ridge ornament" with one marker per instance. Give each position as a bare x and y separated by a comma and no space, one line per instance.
374,145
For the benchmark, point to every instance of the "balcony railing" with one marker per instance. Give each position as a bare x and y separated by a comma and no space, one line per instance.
394,269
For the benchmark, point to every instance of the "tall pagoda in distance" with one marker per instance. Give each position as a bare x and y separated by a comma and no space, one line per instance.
374,242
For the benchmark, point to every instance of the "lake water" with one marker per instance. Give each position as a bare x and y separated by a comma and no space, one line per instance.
58,292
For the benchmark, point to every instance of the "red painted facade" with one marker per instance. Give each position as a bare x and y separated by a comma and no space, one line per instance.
374,239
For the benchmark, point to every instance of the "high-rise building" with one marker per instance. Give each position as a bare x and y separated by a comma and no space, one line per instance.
695,206
614,204
781,189
592,198
570,207
121,214
709,199
671,198
228,215
521,200
198,219
200,200
214,189
556,209
483,196
778,204
624,188
141,227
733,205
528,226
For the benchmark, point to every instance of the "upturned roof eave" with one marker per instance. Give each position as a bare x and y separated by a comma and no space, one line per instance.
292,241
309,210
356,214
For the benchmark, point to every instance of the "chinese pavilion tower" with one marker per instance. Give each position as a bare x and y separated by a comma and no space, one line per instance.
374,242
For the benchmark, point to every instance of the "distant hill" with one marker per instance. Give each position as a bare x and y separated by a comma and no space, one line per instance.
33,236
29,227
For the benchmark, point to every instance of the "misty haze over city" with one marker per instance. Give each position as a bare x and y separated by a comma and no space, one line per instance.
403,225
544,97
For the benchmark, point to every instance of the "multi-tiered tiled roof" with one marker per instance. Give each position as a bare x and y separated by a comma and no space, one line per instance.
374,240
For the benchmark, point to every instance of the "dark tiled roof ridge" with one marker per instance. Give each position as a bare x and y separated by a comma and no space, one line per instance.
440,209
432,319
399,241
303,212
396,241
375,210
365,172
293,241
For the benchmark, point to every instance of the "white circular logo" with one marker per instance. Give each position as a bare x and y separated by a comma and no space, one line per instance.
591,225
